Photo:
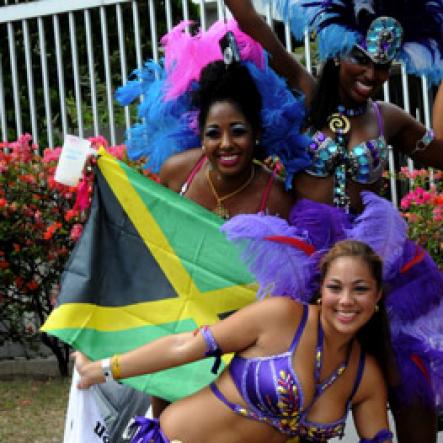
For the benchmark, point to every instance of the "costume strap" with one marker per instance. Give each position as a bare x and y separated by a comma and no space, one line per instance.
382,436
267,191
191,176
213,350
147,431
361,368
381,126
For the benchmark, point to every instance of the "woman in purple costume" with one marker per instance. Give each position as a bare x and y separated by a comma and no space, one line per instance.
298,369
350,139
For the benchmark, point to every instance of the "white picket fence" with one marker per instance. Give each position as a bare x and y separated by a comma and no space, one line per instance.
36,68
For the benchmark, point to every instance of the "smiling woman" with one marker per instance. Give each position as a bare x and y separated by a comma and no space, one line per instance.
351,134
222,175
295,372
207,127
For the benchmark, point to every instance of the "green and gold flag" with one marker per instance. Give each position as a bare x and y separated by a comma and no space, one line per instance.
149,263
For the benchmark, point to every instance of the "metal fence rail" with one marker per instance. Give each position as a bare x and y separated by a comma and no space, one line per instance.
60,63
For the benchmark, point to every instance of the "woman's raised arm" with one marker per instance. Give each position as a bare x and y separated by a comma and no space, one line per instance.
284,63
437,113
411,137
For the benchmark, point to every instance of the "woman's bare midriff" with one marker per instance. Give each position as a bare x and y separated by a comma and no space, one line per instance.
321,190
203,418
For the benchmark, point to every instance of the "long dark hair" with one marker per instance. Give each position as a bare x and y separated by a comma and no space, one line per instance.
326,98
374,337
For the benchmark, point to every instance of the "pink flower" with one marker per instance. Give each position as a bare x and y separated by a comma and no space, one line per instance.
437,214
76,231
118,151
426,196
405,202
22,149
50,155
99,141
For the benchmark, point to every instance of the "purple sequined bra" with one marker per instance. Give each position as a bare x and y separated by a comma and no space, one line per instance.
365,162
274,395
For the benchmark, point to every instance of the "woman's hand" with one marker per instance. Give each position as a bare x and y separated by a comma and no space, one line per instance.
90,372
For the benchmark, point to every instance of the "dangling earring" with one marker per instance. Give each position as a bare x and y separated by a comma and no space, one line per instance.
376,308
318,301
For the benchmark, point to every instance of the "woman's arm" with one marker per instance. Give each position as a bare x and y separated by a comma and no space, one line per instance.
369,406
236,333
437,113
284,63
405,133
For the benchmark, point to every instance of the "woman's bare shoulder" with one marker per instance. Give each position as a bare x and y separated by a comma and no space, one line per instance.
281,308
177,168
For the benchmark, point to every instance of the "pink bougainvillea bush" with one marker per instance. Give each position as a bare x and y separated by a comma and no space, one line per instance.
40,221
422,207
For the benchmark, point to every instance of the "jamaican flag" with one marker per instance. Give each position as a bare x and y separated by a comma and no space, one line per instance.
149,263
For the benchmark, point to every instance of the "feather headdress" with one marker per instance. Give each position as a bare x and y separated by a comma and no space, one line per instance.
168,121
341,24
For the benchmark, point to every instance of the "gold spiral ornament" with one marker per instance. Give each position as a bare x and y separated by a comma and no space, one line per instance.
339,124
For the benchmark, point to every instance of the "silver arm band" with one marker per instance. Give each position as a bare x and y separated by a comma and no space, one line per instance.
424,142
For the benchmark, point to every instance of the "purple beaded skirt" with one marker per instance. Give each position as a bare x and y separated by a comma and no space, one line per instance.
413,282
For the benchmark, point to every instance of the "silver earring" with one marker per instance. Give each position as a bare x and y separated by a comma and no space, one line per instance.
318,301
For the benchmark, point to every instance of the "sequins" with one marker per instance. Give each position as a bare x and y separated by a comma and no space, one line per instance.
364,163
383,39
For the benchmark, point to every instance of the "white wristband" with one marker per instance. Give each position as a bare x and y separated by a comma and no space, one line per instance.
107,371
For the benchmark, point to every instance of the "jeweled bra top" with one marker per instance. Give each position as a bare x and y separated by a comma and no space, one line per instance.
364,163
273,393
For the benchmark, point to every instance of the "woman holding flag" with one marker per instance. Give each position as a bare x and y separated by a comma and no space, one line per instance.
297,370
223,98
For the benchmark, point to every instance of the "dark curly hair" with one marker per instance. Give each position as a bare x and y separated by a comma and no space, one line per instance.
232,83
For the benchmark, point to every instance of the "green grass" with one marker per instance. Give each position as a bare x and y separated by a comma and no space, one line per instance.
33,411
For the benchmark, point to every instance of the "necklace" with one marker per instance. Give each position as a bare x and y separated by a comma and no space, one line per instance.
353,112
219,208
